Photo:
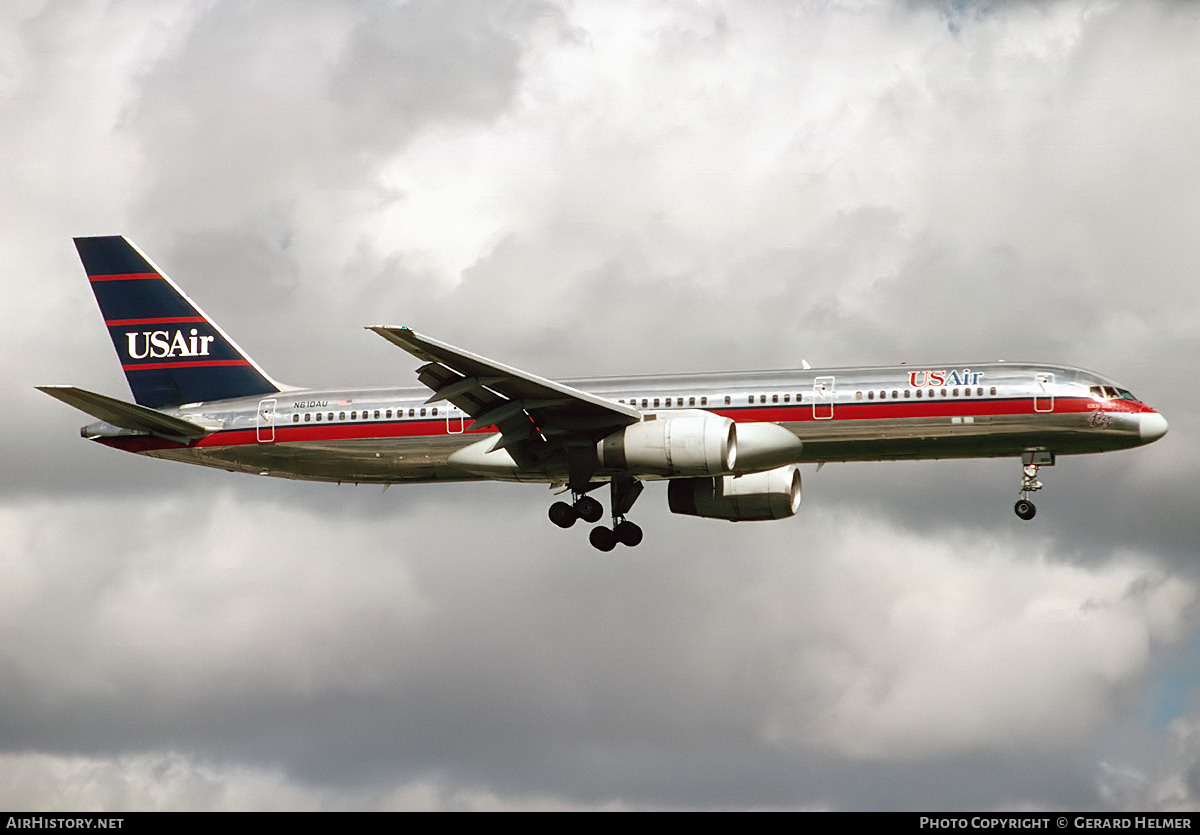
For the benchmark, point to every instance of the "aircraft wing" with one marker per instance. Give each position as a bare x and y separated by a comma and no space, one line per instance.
533,415
125,415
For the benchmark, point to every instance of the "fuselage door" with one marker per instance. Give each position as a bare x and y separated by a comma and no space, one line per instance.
1043,392
823,391
266,420
454,420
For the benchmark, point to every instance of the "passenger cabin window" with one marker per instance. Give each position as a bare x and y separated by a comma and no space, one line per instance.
727,400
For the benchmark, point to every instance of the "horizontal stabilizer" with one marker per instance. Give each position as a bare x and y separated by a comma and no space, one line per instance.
125,415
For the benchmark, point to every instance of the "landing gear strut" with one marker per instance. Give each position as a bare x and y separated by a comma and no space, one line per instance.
1024,508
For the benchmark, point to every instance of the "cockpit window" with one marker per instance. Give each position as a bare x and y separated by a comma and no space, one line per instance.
1111,393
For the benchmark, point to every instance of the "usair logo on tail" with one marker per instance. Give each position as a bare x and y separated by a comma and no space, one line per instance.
163,344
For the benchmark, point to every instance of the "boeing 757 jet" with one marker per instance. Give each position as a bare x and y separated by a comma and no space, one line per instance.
730,444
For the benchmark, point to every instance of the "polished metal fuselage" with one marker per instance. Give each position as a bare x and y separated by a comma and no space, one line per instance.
840,414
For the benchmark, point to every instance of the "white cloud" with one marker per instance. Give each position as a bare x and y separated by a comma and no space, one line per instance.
866,643
944,647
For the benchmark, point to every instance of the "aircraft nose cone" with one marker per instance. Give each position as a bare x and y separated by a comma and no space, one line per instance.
1151,426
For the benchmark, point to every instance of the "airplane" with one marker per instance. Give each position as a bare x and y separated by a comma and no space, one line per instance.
729,444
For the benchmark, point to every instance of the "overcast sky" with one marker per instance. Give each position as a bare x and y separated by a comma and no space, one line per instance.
583,188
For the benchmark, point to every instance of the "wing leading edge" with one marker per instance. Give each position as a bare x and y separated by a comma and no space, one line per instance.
536,417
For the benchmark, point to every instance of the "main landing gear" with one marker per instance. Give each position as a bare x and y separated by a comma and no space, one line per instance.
584,507
624,494
1031,461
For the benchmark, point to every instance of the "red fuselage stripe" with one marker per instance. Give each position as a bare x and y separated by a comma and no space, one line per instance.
900,409
291,433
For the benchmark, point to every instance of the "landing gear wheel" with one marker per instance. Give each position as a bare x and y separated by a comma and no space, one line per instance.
602,538
1025,509
589,509
628,533
562,514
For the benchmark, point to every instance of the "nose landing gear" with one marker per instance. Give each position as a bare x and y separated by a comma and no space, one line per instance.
1024,508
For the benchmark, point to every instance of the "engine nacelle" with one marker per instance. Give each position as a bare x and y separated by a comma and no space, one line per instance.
685,443
765,445
756,497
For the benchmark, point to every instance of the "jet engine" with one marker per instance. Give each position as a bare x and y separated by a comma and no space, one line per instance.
774,494
686,443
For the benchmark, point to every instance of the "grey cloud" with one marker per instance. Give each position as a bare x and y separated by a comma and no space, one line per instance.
406,66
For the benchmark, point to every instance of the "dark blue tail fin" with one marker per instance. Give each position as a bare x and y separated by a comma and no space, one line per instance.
171,352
